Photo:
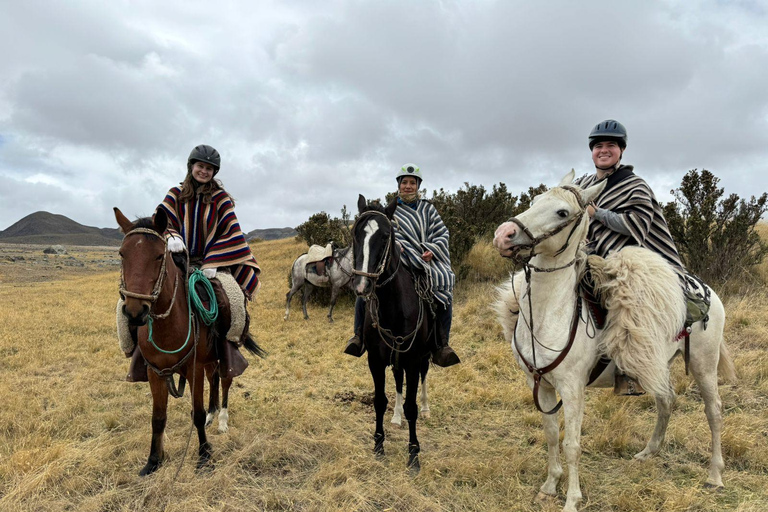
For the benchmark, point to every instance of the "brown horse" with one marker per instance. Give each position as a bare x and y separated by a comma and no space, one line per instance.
170,338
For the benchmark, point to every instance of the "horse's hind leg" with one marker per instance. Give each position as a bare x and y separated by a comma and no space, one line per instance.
159,416
424,410
334,296
704,370
224,413
288,296
212,373
305,298
412,414
548,400
198,418
397,417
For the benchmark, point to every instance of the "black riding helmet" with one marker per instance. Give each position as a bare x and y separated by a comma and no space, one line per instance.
204,153
608,130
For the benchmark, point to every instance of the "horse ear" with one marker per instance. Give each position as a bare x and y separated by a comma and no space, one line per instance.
568,178
122,221
361,203
390,209
593,192
161,220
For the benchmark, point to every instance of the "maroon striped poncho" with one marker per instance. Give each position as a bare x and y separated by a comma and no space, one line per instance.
212,232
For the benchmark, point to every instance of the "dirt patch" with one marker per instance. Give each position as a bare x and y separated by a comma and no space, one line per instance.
26,263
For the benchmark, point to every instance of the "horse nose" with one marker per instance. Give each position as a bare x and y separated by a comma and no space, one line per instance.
505,232
362,285
139,318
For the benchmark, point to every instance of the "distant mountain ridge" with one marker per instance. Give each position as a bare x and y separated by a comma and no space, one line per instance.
46,228
270,233
51,228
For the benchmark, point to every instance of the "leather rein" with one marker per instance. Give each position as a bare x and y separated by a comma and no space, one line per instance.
538,373
166,373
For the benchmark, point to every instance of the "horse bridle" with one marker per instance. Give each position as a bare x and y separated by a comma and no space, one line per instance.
152,297
538,373
382,266
536,240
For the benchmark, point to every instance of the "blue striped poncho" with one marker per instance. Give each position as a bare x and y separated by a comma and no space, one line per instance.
420,229
212,232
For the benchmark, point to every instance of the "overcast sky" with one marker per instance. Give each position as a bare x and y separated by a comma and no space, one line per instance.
311,103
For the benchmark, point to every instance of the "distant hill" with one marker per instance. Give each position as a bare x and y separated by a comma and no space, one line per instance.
271,233
46,228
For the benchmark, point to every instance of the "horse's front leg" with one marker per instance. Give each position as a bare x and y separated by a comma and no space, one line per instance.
198,417
664,405
412,414
159,416
424,410
397,416
573,407
379,401
548,400
305,298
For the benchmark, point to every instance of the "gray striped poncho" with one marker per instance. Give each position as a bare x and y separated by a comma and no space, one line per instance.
421,229
630,196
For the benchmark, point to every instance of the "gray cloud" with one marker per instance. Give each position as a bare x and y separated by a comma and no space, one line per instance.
311,104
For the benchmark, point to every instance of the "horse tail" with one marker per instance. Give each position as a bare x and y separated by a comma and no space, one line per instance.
251,346
725,367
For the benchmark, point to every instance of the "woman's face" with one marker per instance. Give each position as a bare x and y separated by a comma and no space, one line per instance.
408,185
202,172
606,154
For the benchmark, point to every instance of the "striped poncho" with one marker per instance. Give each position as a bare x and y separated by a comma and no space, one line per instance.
420,229
212,233
630,196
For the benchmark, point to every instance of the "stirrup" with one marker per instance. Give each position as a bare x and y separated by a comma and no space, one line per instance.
624,385
354,346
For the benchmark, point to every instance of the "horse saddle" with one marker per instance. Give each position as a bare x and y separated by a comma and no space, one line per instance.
231,361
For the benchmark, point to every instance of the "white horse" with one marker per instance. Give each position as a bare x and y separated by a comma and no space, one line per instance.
339,277
640,338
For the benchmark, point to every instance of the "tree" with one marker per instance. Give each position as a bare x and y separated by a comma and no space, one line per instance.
716,236
321,229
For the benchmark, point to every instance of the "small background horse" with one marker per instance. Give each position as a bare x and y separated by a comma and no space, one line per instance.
397,323
537,317
155,288
339,277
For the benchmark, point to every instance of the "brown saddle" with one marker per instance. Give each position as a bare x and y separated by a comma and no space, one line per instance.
230,361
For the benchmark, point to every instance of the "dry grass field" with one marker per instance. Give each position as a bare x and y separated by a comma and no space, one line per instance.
73,434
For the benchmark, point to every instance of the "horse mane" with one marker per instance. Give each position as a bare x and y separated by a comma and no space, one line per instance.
144,222
374,206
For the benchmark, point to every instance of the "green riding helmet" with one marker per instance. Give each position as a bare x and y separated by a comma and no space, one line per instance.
409,170
204,153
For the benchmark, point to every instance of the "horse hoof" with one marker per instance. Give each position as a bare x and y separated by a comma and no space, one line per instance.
542,496
223,429
713,487
424,414
208,420
150,468
397,423
414,467
378,447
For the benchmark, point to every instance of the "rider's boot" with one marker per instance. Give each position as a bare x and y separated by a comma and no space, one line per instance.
137,370
355,346
444,356
626,386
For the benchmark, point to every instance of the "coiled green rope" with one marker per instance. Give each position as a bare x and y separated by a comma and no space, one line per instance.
208,316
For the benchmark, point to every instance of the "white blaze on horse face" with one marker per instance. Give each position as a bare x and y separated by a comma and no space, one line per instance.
369,230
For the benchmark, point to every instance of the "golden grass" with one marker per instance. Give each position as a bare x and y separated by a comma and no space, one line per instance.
73,434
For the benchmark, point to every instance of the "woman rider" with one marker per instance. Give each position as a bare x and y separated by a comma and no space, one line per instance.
423,240
201,218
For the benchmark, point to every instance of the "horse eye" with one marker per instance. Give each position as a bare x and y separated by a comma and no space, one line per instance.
120,253
562,213
159,258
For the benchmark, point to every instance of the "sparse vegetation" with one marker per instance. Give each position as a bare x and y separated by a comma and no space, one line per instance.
73,434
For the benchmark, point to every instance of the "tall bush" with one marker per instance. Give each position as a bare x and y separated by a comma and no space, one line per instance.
715,235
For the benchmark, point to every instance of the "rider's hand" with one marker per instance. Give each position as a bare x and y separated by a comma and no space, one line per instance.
591,209
175,244
427,256
210,273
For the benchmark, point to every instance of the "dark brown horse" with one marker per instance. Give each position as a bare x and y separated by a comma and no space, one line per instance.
397,323
171,338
